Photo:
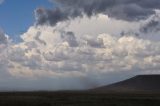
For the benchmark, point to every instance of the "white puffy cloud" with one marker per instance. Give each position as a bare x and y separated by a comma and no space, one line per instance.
99,24
101,54
86,54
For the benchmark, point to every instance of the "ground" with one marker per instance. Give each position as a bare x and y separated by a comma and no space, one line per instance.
69,98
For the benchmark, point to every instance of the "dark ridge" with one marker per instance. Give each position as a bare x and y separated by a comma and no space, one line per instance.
140,83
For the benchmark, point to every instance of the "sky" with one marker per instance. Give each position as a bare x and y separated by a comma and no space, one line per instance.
17,16
77,44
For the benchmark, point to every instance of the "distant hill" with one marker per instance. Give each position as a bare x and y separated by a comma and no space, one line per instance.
140,83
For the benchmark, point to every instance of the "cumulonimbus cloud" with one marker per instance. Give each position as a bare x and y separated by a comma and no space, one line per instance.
49,51
79,56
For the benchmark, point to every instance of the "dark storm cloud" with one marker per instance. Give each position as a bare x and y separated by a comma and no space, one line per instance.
129,10
151,26
51,17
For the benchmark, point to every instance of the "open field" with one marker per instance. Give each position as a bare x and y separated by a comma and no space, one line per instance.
77,99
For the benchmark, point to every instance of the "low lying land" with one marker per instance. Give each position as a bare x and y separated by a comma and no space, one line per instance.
69,98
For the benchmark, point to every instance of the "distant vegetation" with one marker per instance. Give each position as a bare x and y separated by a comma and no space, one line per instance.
77,99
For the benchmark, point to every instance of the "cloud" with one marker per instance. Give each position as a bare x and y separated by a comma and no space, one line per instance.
3,37
119,9
70,38
51,17
152,24
102,54
78,52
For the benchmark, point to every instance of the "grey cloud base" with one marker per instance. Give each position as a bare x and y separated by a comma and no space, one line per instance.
129,10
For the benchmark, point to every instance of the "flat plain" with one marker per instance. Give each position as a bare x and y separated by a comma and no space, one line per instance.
78,98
